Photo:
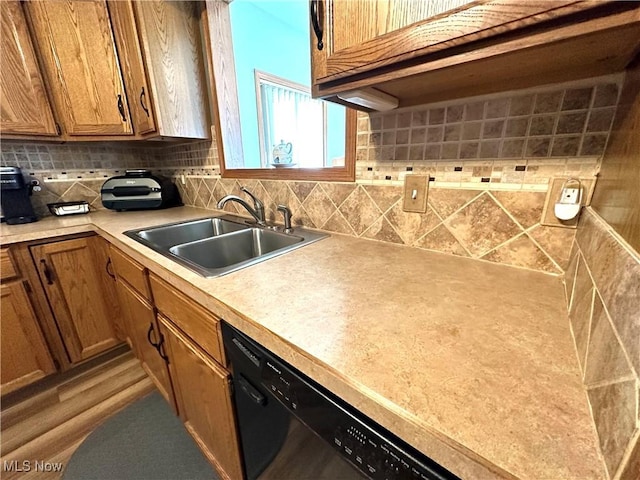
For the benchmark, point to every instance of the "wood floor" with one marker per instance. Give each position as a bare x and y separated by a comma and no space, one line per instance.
47,423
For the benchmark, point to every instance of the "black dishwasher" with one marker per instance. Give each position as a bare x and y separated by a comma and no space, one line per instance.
293,428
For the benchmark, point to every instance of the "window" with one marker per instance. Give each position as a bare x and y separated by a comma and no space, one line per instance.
288,116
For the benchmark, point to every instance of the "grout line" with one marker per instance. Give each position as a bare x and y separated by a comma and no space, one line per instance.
588,341
535,242
607,383
626,458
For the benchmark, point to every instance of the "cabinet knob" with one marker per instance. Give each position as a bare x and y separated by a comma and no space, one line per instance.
315,22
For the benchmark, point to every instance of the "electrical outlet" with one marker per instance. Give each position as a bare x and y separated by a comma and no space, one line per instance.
416,188
553,195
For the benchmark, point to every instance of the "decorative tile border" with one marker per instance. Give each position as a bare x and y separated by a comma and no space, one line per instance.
602,285
501,227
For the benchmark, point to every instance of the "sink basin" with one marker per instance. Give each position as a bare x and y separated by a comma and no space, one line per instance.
220,245
177,234
234,248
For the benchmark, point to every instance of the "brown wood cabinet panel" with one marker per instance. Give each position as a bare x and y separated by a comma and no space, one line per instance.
108,284
141,324
392,36
24,105
71,278
204,401
617,197
132,63
357,21
25,357
130,271
194,320
170,34
76,45
8,269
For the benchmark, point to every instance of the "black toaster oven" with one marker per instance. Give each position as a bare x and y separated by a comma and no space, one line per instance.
139,190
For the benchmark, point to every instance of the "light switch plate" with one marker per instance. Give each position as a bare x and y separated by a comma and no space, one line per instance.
416,189
555,185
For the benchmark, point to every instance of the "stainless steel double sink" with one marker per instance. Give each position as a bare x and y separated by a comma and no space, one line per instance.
218,245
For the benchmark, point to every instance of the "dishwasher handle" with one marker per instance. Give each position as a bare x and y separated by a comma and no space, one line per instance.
252,392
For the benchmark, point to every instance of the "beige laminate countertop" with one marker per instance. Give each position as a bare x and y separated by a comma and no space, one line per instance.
470,362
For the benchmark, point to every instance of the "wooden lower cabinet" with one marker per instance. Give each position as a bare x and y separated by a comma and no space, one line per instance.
70,273
203,393
143,330
25,356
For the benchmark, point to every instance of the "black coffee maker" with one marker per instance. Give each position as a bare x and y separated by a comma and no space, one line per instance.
14,197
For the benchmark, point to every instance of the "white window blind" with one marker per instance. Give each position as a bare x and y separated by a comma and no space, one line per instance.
287,113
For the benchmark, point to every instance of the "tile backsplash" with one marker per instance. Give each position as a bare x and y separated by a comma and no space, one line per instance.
603,293
501,227
499,151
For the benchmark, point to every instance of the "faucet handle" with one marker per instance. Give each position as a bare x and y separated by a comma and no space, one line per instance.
286,213
256,200
257,204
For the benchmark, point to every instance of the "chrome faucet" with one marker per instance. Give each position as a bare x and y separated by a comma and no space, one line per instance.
256,212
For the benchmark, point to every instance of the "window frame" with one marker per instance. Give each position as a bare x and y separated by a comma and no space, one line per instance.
261,78
225,111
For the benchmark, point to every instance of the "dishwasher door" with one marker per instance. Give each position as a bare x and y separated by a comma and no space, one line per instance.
275,445
293,428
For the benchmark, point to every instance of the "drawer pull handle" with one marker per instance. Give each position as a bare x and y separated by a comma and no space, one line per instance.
315,22
142,99
149,332
121,108
160,348
109,269
47,273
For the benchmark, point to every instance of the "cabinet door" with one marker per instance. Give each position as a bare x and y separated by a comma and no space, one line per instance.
171,40
362,35
141,324
71,278
132,63
24,105
203,392
25,357
108,284
75,41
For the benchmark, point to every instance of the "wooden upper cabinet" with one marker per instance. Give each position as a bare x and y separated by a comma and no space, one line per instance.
133,67
70,272
76,44
170,34
419,51
25,356
24,105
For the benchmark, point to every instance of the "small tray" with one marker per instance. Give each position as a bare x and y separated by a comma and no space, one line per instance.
68,208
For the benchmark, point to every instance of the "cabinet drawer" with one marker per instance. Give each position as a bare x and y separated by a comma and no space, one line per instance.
8,268
131,272
190,317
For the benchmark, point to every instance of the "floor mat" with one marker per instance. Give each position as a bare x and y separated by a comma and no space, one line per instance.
145,441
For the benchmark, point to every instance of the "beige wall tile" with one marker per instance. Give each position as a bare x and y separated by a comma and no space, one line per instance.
556,242
441,240
482,225
606,360
580,310
616,274
360,211
521,252
382,230
447,201
614,413
525,207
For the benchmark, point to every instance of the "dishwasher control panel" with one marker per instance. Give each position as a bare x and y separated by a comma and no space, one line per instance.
375,452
